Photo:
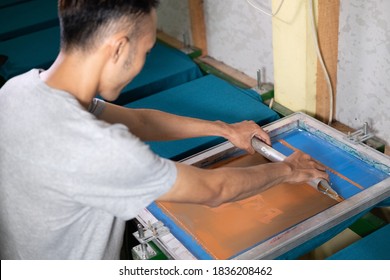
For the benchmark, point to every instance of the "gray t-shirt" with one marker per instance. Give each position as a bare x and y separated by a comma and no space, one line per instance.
68,181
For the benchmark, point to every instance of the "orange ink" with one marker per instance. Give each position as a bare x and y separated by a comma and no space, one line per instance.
231,228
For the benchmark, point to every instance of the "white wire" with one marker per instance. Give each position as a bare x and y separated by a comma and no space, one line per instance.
320,58
318,51
265,12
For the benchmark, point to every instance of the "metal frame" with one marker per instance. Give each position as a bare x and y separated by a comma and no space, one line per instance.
306,230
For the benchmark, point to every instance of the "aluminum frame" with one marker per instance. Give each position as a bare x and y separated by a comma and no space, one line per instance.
325,220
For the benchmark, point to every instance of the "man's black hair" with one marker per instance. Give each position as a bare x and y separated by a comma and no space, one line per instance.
85,22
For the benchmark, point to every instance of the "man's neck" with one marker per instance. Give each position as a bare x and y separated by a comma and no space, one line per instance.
75,75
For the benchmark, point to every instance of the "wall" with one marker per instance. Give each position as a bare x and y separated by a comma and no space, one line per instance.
364,65
173,18
237,34
241,37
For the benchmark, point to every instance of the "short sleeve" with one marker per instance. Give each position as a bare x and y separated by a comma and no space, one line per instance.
110,169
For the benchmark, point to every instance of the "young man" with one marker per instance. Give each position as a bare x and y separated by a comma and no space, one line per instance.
73,169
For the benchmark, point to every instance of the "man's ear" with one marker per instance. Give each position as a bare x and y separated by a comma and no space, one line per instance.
119,46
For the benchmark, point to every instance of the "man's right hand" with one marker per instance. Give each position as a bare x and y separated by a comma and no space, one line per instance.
305,168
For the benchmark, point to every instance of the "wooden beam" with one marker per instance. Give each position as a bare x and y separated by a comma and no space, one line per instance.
328,30
198,26
229,71
170,40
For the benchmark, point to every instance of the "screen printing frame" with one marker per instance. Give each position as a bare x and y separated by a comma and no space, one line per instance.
310,228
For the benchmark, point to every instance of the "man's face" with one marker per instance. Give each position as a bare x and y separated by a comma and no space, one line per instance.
131,61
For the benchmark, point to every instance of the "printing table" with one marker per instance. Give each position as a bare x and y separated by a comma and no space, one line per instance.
360,174
33,50
23,17
165,67
208,98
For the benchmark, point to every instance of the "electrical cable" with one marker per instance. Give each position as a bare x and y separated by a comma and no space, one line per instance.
265,12
320,58
318,51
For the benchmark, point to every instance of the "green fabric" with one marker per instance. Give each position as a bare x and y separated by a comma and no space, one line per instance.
207,98
26,17
375,246
35,50
165,68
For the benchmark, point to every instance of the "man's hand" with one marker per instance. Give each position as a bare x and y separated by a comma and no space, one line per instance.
304,168
241,134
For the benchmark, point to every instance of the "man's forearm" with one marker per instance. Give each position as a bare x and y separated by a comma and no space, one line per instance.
156,125
226,184
165,126
217,186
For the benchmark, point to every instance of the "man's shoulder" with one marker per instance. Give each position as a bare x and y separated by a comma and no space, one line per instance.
17,83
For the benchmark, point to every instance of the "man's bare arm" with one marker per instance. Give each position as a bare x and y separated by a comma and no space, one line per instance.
150,125
215,186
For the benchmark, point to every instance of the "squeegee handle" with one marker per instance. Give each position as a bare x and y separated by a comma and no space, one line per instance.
266,150
273,155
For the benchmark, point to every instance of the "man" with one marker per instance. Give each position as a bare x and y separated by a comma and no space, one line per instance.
73,169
